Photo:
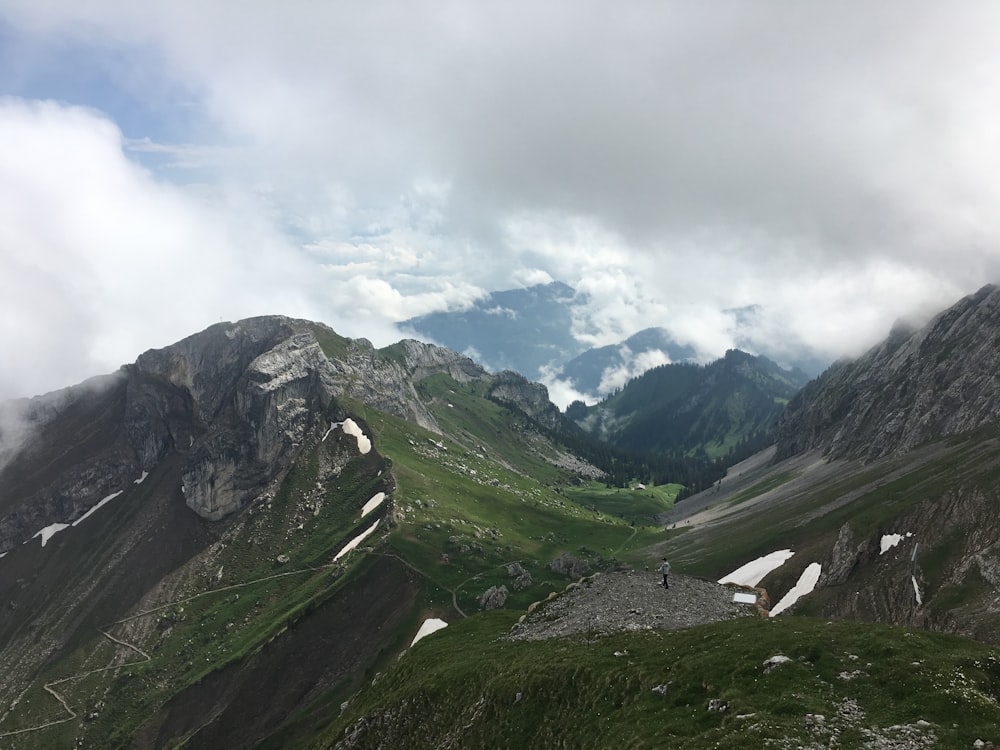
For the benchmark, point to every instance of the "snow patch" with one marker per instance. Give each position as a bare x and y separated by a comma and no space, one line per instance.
891,540
806,583
93,510
50,531
327,433
742,598
355,541
755,570
141,479
916,590
372,504
351,428
431,625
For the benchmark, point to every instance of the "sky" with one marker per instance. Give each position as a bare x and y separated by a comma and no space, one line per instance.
168,164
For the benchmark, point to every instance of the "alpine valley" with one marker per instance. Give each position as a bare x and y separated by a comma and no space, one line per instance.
269,535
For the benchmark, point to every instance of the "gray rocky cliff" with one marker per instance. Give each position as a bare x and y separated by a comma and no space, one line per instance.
421,360
531,398
955,571
257,388
233,402
916,386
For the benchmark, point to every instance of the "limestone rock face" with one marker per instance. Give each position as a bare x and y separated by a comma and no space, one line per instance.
531,398
941,380
257,388
254,389
423,359
232,404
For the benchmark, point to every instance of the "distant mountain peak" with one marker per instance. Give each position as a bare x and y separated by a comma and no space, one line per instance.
516,329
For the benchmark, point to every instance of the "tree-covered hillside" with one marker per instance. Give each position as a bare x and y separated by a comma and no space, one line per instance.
724,410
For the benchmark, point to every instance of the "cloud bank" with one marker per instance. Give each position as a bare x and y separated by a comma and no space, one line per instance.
181,162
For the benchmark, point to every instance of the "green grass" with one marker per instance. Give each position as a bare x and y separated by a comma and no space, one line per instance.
469,502
581,692
223,612
631,505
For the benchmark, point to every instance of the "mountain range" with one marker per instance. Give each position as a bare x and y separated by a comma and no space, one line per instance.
236,541
534,331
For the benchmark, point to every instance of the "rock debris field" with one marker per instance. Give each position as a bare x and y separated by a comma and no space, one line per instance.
631,600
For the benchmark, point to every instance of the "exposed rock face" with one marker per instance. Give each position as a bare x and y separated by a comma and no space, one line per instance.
845,556
916,386
493,598
235,401
422,359
531,398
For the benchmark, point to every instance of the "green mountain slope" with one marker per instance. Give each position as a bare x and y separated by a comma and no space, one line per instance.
714,410
147,626
266,513
843,685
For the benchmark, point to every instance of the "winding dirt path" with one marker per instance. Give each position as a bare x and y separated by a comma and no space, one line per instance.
49,687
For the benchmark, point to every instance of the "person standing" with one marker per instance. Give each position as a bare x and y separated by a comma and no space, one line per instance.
665,569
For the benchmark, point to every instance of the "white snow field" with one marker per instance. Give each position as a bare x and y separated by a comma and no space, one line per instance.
50,531
351,428
372,504
752,573
889,541
431,625
103,502
355,541
806,583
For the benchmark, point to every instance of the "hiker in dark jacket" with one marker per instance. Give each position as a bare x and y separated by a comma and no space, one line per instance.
665,569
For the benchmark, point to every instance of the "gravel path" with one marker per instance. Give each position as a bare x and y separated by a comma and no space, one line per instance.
631,600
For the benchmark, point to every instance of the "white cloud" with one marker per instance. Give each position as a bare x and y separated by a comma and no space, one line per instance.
100,260
364,163
561,392
632,366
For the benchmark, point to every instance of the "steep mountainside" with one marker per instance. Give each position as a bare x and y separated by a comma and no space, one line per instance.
884,475
693,409
178,536
943,379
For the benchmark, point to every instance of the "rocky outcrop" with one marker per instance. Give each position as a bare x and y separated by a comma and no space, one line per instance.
570,565
845,556
495,597
629,600
515,390
421,360
362,373
235,401
916,386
